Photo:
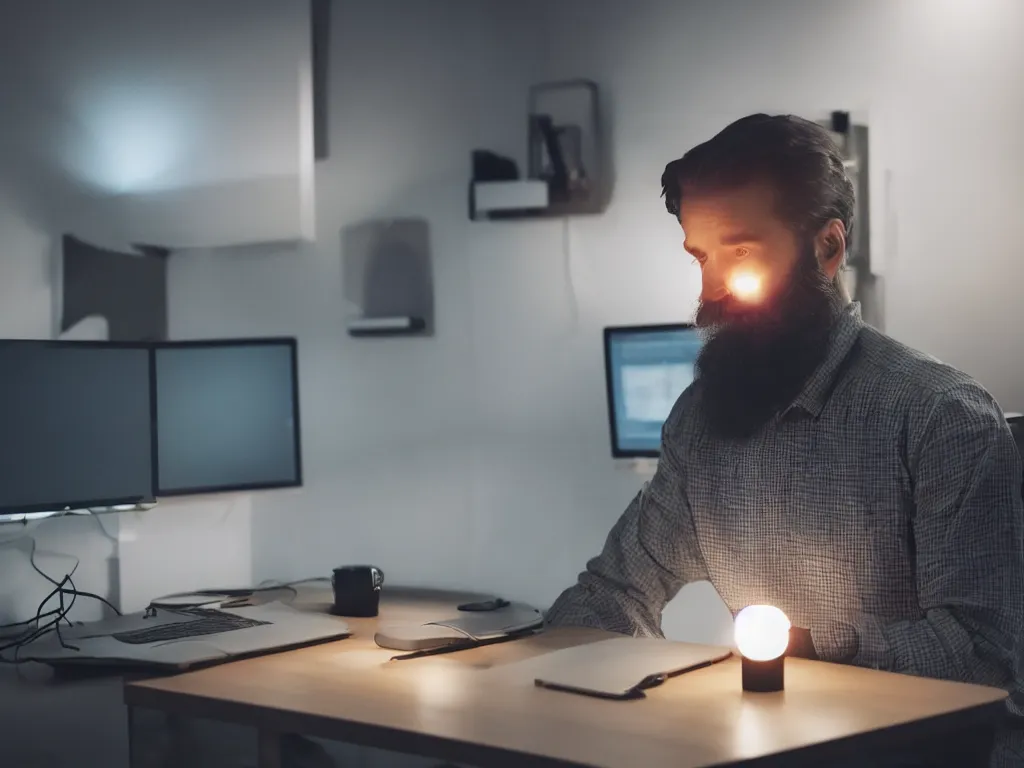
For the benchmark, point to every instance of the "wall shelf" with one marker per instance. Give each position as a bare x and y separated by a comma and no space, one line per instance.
567,160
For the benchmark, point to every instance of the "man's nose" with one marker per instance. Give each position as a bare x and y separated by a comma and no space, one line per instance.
712,285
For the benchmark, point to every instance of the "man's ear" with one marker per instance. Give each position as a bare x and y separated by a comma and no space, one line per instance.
830,247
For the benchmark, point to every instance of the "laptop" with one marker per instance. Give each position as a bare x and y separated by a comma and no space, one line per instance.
176,639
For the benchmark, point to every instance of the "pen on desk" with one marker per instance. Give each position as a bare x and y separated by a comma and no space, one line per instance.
462,646
450,648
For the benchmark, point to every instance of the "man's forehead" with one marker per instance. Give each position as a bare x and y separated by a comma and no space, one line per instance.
753,199
746,212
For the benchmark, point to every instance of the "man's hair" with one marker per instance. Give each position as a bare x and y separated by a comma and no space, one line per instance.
795,156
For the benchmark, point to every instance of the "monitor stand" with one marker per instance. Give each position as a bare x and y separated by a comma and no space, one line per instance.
144,506
642,467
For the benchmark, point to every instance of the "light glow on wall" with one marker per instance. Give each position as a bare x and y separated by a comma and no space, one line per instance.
134,137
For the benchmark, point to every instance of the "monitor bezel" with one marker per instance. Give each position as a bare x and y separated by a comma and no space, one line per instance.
63,507
609,334
289,341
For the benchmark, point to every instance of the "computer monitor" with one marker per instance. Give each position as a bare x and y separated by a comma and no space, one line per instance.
227,416
75,426
647,368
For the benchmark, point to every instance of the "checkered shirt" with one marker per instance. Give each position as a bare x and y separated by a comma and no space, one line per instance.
881,510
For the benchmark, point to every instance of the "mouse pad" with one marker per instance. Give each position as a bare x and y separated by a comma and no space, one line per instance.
488,625
417,637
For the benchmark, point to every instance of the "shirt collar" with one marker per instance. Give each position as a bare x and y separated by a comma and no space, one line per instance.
815,392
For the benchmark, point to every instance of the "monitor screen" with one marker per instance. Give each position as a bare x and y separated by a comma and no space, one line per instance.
76,426
647,368
227,416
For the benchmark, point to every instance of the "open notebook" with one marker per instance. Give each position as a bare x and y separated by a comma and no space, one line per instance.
619,668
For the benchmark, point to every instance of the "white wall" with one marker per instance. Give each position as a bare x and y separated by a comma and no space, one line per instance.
479,457
117,106
127,97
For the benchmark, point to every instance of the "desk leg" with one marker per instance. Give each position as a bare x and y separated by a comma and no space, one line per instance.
156,740
269,753
134,759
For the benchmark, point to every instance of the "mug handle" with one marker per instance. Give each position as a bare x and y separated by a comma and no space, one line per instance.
378,577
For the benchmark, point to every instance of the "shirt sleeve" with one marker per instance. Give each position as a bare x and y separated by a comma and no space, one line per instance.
968,532
650,554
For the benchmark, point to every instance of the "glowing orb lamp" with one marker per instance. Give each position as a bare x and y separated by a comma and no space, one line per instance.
762,636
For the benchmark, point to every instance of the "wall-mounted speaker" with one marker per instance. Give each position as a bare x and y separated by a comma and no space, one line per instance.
388,277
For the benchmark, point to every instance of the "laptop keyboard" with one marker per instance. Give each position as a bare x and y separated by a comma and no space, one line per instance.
206,622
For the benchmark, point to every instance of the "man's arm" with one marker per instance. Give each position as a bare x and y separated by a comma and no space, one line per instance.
969,537
650,554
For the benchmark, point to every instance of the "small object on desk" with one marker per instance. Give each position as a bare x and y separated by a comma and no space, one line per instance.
762,636
357,590
485,605
801,644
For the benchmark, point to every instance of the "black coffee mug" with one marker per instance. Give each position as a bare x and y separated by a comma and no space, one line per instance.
357,590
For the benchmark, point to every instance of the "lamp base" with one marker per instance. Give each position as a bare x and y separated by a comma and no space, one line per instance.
763,676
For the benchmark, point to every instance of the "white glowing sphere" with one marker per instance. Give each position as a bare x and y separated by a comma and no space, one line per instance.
762,632
745,286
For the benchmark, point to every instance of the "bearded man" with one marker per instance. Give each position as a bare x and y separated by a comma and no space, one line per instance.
869,491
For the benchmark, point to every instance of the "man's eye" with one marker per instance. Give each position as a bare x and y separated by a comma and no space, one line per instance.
742,253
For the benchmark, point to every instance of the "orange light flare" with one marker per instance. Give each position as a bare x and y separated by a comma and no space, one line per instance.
746,286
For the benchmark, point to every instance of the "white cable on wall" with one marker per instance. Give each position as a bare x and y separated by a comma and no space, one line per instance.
570,282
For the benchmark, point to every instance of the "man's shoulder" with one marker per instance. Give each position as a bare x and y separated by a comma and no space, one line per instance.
903,376
891,363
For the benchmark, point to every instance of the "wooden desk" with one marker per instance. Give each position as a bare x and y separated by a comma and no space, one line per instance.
458,707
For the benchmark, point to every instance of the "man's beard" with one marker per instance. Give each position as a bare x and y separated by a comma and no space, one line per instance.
757,358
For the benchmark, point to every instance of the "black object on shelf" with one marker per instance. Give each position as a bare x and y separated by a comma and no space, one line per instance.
558,181
489,166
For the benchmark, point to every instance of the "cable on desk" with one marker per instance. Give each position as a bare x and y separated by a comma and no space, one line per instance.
46,621
35,628
32,635
78,592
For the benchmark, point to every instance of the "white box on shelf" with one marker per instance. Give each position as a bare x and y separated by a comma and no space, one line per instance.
509,196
